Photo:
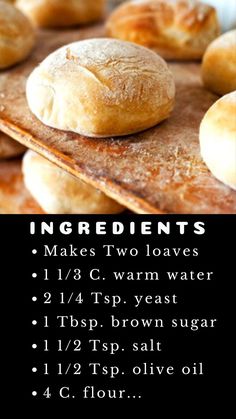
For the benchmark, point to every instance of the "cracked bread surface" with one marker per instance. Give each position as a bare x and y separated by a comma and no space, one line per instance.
101,88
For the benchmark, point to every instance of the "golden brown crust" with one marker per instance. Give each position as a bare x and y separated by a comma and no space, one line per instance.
176,29
59,13
219,64
17,36
9,148
101,88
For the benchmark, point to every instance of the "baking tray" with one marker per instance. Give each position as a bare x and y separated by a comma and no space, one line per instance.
157,171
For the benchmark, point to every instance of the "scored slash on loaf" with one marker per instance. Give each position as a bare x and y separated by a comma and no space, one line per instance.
101,88
175,29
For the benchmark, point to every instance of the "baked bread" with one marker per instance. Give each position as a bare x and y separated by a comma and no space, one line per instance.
218,139
175,29
9,148
59,13
101,88
17,36
58,192
219,64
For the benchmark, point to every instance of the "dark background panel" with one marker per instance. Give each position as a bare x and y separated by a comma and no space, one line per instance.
213,299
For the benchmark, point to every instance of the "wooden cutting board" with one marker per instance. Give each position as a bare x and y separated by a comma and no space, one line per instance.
14,198
157,171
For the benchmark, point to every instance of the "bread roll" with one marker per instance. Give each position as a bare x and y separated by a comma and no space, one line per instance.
9,148
59,13
218,139
176,29
17,36
219,64
58,192
101,88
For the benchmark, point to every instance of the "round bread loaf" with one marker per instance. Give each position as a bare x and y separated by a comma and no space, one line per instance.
219,64
176,29
9,148
101,88
218,139
58,192
59,13
17,36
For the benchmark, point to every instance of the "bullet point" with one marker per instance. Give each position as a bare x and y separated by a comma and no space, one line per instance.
34,346
34,298
34,322
34,393
34,275
34,251
34,369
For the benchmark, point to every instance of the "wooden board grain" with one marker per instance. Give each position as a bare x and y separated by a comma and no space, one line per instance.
14,198
157,171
